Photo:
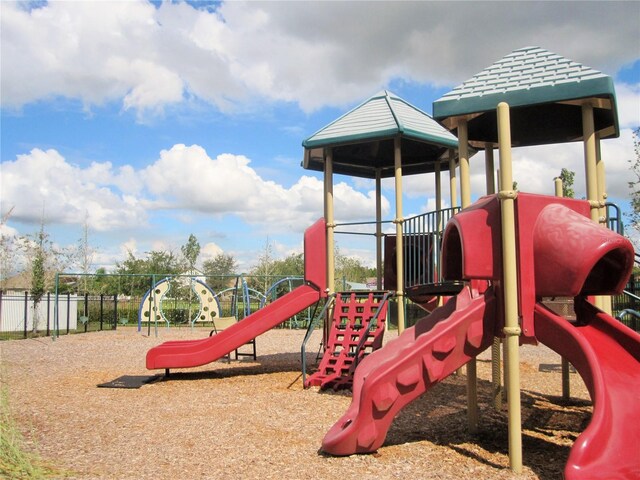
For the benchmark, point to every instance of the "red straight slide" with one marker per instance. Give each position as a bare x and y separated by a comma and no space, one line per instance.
607,356
390,378
185,354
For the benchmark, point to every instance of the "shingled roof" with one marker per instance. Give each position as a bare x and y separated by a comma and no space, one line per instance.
545,92
362,139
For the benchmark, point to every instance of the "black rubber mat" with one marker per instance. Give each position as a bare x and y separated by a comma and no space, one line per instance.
130,381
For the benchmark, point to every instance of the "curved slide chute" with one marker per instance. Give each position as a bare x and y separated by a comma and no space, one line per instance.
390,378
200,352
607,356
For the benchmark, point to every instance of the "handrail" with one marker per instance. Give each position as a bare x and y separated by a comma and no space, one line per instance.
365,335
303,348
614,222
628,311
635,297
422,240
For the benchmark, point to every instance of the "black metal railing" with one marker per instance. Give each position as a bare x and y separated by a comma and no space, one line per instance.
422,239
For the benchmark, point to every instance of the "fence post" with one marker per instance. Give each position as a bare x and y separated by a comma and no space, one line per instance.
86,311
26,311
48,312
68,310
101,309
115,311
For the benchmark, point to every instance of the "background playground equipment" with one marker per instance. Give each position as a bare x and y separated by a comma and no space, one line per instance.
151,305
200,352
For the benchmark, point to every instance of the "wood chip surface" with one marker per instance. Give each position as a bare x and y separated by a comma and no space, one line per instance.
249,419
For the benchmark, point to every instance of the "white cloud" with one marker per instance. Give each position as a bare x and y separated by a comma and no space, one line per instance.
209,251
147,57
184,179
628,102
43,182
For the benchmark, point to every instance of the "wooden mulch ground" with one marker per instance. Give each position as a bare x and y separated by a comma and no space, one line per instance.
254,420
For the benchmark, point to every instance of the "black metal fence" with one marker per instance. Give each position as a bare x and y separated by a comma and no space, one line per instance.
625,305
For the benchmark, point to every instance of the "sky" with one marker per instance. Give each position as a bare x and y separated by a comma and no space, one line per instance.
151,121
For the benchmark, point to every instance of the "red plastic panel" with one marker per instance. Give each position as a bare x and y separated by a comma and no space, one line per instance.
408,366
192,353
315,255
352,315
472,244
573,255
607,356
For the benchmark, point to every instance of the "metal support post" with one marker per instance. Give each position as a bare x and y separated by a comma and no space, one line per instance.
510,287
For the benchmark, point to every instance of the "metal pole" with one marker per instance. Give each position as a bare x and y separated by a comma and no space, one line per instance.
379,228
330,221
56,320
26,312
453,193
566,385
602,214
510,287
590,167
48,312
496,370
397,155
69,310
465,194
591,173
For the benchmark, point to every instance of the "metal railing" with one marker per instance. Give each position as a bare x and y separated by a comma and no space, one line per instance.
422,239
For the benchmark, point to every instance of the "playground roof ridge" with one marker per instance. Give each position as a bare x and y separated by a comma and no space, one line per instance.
528,78
532,67
382,115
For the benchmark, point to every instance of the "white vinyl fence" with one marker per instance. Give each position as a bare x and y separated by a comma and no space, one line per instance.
17,314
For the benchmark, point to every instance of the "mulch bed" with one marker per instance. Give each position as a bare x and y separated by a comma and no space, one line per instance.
251,419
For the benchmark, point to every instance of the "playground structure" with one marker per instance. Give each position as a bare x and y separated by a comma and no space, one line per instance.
151,304
496,260
200,352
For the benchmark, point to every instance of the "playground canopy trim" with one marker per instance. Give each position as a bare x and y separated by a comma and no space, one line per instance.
362,139
545,92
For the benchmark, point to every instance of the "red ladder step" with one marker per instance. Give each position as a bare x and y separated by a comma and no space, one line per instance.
353,314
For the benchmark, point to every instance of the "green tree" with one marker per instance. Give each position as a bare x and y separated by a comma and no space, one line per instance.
191,252
84,254
349,269
291,266
157,262
218,271
567,177
263,270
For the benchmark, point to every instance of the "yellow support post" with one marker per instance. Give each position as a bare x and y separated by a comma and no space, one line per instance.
566,384
397,152
590,167
602,198
465,194
330,225
453,192
496,380
510,289
379,229
591,172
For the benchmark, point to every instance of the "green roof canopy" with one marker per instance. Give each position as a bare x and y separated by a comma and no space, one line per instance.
544,91
362,139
